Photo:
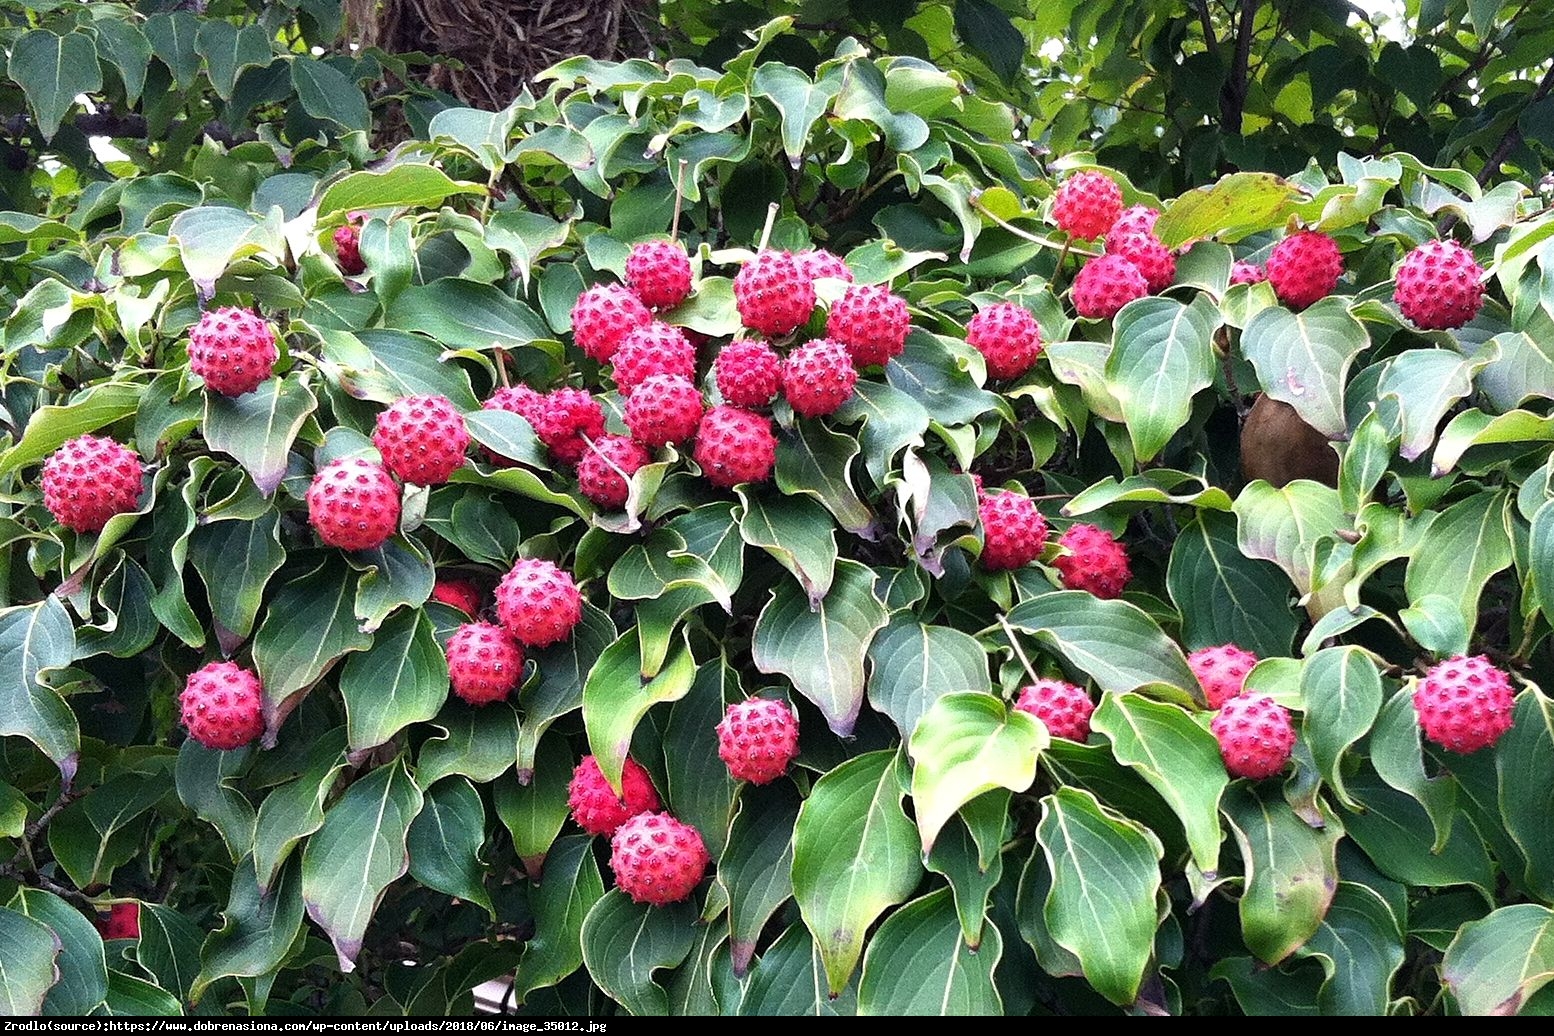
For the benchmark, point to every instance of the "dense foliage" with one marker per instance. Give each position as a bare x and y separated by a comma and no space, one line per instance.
385,847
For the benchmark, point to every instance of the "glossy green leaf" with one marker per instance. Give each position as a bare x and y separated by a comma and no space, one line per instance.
624,943
918,965
1291,870
967,744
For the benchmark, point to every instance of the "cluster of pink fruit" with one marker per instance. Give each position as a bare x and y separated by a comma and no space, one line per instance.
1439,284
1014,534
657,859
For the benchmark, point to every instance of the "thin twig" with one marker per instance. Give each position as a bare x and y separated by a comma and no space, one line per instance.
679,199
766,231
1014,642
1513,136
1035,239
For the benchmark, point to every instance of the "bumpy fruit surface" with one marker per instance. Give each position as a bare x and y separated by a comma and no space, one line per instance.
348,250
233,350
1439,286
1013,531
1304,267
422,439
1221,671
221,706
664,409
1087,204
1063,707
538,603
1255,735
1151,258
871,322
1137,219
1464,703
484,664
596,807
657,348
748,373
353,504
757,739
89,480
660,273
458,593
599,473
603,316
815,263
656,859
818,377
122,922
734,446
515,399
1105,285
1247,273
565,420
773,294
1008,337
1094,561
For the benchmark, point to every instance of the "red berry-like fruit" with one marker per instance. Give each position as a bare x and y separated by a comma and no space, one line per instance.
122,922
757,739
773,294
660,273
221,706
748,373
1304,267
1439,286
233,350
1464,703
656,859
1063,707
565,421
422,439
1094,561
734,446
353,504
458,593
90,479
603,316
657,348
516,399
663,409
1105,285
1247,273
815,263
818,378
538,603
1013,531
1008,337
602,473
484,664
871,322
348,250
1151,258
1255,735
1137,219
1221,671
1087,204
596,807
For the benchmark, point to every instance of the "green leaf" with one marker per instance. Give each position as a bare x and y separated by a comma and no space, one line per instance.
1497,963
969,853
625,942
1105,876
201,777
616,697
211,237
228,50
309,626
464,315
50,426
444,842
560,903
1425,383
53,71
1460,552
1177,757
993,37
854,857
34,639
797,532
1224,596
817,462
787,632
168,948
558,689
533,812
173,35
790,979
799,101
917,964
1524,762
83,970
1303,359
407,185
28,950
912,665
401,679
236,560
259,929
295,810
481,743
327,94
701,790
1360,947
357,854
756,867
1341,691
99,831
257,430
1237,205
967,744
129,995
1115,642
395,574
1396,833
1284,525
1291,869
1162,355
